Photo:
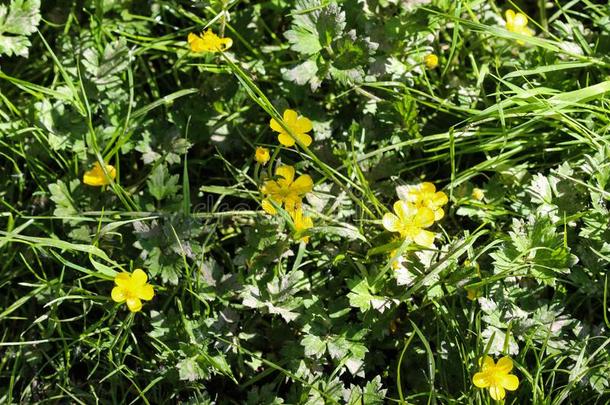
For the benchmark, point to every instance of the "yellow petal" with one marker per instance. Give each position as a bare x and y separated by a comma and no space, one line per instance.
391,222
225,43
486,363
424,217
439,199
520,20
497,392
307,222
286,172
427,187
196,43
411,193
302,185
290,117
271,187
122,279
97,177
268,207
438,214
305,139
146,292
275,126
138,277
505,364
480,380
118,294
303,125
134,304
285,139
292,203
478,194
192,38
261,155
510,16
404,210
424,238
510,382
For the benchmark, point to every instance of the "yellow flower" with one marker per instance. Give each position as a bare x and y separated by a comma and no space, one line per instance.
496,377
478,194
517,23
208,42
431,61
409,221
302,223
286,190
132,288
262,155
97,177
473,293
298,125
396,263
425,195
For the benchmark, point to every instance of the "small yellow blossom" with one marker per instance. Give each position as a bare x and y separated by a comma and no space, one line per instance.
396,263
517,23
286,190
478,194
262,155
208,42
431,61
302,223
298,125
132,288
409,221
473,293
97,177
496,377
425,195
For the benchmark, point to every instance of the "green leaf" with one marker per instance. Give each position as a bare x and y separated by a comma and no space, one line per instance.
189,369
361,297
19,20
61,195
105,68
314,346
161,184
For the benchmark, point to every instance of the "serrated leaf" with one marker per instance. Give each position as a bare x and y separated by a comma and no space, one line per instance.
362,298
104,68
61,195
189,369
19,19
161,184
314,346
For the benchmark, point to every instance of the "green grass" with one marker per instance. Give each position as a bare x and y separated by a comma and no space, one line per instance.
245,312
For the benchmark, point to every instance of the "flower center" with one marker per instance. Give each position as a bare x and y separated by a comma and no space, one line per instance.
130,293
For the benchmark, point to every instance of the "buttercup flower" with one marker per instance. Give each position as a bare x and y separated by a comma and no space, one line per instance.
396,263
478,194
302,223
208,42
409,221
496,377
286,190
425,195
431,61
96,176
132,288
262,155
298,125
473,293
517,23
